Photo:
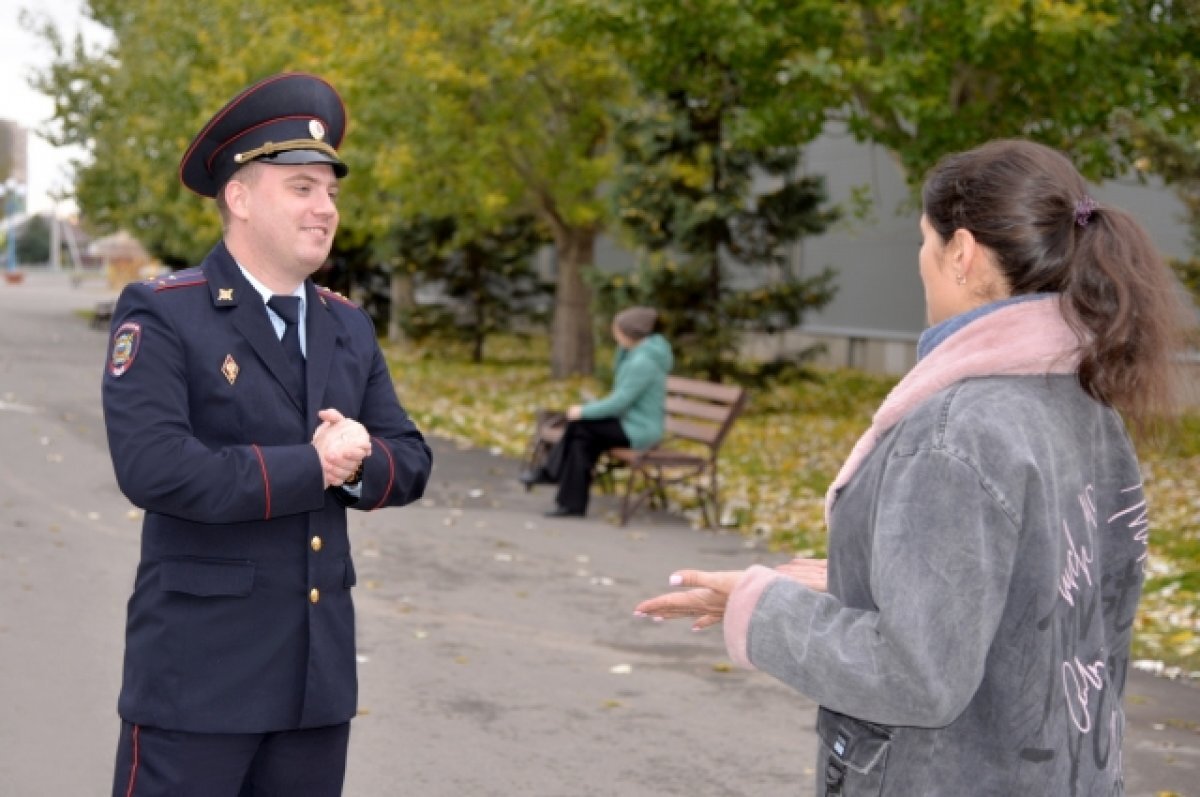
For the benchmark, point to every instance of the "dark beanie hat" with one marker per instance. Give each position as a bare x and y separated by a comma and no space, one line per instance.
636,322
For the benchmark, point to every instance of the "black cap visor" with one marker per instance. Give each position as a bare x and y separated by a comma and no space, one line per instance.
300,157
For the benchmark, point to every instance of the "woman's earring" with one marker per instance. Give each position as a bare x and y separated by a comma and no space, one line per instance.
961,279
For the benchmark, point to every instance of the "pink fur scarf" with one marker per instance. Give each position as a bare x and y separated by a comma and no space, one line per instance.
1026,338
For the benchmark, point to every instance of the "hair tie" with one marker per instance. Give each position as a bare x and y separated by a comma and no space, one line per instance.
1084,209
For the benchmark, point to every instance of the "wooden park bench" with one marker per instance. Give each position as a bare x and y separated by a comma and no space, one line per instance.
699,416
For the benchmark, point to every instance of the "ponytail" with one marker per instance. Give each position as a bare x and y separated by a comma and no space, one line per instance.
1121,299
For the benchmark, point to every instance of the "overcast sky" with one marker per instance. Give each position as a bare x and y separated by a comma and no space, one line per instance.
20,54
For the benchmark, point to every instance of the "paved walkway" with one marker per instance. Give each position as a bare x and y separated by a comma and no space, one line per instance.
498,655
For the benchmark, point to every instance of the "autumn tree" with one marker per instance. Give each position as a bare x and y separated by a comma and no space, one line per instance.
1166,136
484,114
925,79
135,104
487,111
486,285
33,241
708,187
473,111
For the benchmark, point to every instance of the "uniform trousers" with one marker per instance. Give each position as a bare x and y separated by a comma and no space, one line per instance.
152,762
572,459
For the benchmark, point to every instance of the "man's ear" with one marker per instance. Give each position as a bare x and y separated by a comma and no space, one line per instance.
237,198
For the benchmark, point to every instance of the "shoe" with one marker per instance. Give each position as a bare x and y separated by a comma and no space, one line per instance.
562,511
531,477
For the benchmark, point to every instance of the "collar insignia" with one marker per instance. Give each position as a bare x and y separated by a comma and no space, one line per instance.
230,369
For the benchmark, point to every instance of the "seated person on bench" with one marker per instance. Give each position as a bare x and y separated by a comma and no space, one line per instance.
631,416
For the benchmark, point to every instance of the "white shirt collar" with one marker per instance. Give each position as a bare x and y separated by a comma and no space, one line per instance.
266,292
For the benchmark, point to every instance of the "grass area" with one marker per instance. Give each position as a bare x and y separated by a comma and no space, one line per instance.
782,454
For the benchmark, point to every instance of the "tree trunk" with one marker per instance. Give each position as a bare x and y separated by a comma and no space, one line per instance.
571,345
403,296
478,303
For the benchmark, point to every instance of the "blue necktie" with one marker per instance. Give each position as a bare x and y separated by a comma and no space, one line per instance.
288,308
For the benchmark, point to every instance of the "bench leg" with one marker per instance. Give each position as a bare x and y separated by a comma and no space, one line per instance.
709,497
631,503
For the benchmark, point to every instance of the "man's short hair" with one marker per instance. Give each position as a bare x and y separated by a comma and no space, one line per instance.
247,175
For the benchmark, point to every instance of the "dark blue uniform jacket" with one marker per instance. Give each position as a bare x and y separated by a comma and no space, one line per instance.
241,619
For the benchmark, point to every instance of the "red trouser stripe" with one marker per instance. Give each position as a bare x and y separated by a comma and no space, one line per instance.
133,767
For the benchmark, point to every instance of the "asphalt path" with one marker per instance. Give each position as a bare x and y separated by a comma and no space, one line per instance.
498,654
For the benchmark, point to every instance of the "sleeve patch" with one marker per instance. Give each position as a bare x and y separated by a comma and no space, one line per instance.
126,341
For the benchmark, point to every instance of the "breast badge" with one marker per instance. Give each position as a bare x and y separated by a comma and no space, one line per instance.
230,369
125,344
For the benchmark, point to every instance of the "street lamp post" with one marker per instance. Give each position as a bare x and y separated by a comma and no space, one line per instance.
13,193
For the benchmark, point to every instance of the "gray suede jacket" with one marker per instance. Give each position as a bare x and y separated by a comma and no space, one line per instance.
985,566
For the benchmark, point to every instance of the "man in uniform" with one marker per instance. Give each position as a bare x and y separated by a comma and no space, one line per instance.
246,410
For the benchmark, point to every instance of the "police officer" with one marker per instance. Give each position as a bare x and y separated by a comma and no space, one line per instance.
247,409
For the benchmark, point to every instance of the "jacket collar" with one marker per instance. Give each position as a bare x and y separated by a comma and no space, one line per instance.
324,332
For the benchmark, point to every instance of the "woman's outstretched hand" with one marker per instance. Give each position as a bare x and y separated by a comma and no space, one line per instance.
705,600
710,592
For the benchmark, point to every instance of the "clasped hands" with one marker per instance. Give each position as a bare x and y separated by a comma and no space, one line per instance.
709,593
342,444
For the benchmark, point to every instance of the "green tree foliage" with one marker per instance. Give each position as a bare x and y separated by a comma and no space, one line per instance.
485,113
709,122
135,105
33,241
716,261
475,111
1167,139
927,78
485,285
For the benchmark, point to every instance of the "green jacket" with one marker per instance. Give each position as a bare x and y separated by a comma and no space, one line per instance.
639,393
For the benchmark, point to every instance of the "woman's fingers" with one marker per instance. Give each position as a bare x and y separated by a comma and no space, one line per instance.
670,606
674,605
695,578
707,621
705,600
722,581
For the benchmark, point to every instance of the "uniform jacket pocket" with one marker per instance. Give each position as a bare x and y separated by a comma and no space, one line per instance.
852,755
207,577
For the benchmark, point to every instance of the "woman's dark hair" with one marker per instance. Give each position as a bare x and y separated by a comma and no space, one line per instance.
1029,205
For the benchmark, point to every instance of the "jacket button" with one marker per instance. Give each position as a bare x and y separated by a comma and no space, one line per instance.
316,543
314,595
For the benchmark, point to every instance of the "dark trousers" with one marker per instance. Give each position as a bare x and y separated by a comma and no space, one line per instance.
152,762
571,460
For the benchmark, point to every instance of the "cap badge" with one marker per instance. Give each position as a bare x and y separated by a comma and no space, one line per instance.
126,340
224,294
230,369
316,129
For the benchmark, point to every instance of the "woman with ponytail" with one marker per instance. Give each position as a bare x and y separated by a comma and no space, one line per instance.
970,633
